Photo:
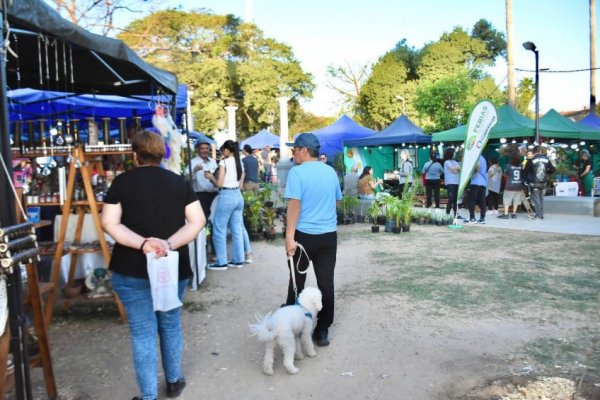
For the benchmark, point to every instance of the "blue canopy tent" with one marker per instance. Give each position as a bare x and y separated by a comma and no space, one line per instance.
333,136
591,121
401,131
262,139
31,104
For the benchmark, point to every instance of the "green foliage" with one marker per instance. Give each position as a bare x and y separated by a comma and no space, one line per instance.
348,204
374,211
525,93
253,207
494,40
269,216
223,60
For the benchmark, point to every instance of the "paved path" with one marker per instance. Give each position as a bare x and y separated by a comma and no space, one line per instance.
555,223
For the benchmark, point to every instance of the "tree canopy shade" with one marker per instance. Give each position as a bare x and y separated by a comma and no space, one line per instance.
95,63
554,125
262,139
402,130
333,136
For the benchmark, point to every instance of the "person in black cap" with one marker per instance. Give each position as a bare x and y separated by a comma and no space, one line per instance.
251,169
312,190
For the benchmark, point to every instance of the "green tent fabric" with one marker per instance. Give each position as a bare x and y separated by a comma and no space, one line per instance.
554,125
510,124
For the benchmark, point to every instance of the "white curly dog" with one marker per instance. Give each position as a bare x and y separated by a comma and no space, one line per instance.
289,326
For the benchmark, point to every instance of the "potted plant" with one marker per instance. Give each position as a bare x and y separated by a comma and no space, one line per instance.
265,193
374,210
389,206
398,217
269,215
405,206
252,215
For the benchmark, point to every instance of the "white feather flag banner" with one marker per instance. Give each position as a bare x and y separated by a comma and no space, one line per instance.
481,121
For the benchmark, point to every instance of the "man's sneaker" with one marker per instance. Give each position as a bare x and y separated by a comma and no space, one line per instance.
514,216
470,221
235,264
216,267
481,221
503,216
459,217
249,259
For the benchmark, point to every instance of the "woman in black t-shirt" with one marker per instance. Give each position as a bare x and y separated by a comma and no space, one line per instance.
151,210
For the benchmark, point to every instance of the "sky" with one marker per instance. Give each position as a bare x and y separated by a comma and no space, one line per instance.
357,32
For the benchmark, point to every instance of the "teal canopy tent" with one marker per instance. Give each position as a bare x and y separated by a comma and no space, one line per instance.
554,125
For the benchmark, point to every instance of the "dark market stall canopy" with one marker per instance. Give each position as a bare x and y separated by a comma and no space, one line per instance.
96,64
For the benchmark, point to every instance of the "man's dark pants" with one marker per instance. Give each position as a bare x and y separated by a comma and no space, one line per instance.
321,250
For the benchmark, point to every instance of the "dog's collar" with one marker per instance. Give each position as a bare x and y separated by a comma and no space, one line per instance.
306,314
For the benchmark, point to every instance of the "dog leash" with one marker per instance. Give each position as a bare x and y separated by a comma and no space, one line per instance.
295,267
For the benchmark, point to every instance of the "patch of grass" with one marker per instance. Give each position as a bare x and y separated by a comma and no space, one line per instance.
576,354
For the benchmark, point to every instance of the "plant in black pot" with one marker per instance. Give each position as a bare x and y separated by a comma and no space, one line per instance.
269,215
347,206
374,211
265,193
389,211
253,215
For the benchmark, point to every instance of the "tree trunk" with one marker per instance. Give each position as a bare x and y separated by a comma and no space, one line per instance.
510,61
593,56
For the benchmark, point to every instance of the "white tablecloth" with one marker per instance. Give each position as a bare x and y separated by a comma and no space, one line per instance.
566,189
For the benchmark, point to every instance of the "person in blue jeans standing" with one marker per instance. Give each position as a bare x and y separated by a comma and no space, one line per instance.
229,209
312,190
151,210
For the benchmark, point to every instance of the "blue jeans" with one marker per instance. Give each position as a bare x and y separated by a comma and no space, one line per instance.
228,213
247,247
144,325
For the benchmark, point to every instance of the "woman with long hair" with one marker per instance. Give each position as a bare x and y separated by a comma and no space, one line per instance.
367,184
229,208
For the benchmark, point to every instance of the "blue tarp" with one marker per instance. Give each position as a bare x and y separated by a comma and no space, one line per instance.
261,139
29,104
591,121
402,130
333,136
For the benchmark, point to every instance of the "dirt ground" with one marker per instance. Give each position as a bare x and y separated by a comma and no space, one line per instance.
386,343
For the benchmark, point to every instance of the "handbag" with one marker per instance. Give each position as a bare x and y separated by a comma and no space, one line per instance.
163,273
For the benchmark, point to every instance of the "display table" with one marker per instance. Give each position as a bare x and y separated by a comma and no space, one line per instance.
86,261
570,189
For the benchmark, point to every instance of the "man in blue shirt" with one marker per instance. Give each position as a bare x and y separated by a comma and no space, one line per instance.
313,191
250,169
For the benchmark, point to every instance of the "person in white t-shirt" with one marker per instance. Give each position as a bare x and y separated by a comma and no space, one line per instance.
229,209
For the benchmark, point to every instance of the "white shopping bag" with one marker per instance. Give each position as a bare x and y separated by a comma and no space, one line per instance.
3,304
164,279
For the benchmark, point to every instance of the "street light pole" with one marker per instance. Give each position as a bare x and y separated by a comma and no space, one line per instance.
403,103
530,46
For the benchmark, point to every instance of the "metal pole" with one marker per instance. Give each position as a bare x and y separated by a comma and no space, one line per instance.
537,97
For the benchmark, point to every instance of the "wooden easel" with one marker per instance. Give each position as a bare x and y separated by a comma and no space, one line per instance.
81,206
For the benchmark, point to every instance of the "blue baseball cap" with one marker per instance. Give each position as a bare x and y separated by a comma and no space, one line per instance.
308,140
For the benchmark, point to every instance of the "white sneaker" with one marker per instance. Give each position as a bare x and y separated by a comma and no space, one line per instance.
249,259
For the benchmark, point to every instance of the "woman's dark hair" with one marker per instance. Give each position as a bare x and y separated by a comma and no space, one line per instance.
235,149
366,171
493,161
516,160
149,147
449,153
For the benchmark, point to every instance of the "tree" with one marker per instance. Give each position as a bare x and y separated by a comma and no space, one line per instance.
495,42
377,103
525,93
96,15
347,81
223,60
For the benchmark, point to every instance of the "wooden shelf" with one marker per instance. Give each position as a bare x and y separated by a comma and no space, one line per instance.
73,203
